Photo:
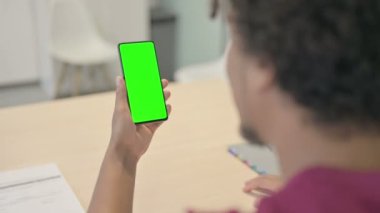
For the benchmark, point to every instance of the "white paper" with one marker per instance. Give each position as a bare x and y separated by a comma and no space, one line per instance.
37,189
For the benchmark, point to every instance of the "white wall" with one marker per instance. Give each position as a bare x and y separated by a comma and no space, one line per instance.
199,38
18,49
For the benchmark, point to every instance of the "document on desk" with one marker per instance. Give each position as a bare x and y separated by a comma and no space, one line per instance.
37,189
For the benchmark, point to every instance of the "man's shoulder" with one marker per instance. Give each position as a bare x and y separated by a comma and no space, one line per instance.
327,190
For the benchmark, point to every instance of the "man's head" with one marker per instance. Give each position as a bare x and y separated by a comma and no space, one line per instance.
317,60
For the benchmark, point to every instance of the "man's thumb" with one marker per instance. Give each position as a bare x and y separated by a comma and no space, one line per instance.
121,94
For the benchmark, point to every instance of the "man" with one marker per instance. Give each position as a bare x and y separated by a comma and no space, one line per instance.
305,76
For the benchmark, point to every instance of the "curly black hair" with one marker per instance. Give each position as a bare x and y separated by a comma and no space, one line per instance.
326,53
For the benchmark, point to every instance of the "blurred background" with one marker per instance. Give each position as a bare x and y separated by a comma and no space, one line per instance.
51,49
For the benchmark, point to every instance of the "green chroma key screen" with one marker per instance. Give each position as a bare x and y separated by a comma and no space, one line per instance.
143,82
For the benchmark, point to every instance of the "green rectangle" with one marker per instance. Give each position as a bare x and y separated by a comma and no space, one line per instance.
143,82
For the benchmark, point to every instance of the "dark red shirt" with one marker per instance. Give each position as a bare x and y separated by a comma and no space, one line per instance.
327,190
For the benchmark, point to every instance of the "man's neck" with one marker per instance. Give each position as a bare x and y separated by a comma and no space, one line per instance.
301,144
306,146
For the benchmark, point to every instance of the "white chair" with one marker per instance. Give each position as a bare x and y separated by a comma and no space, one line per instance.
76,42
211,70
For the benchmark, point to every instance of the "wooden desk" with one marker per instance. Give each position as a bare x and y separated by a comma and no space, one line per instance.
186,166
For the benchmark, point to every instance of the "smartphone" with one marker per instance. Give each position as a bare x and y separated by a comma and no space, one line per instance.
143,82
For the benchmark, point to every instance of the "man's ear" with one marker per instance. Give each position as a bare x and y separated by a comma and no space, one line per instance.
262,74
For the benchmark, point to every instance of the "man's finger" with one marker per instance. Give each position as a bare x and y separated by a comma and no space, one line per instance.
257,202
266,184
169,108
165,83
154,126
167,94
121,94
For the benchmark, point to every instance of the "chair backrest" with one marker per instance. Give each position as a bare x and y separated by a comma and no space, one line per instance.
210,70
71,23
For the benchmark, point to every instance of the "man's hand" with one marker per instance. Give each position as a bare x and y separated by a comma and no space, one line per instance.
116,182
130,141
266,185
